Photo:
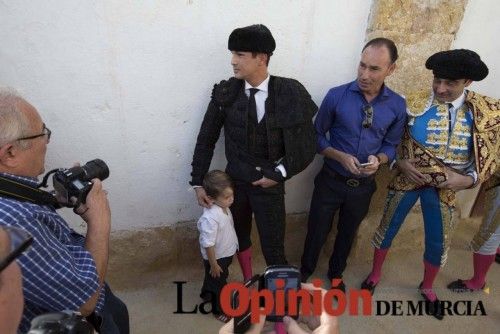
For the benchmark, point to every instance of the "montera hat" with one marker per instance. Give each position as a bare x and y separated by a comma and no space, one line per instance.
457,64
254,38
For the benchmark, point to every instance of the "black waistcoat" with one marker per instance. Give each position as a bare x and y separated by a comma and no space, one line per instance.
248,143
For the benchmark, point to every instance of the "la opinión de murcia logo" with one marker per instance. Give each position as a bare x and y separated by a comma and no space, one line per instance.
291,302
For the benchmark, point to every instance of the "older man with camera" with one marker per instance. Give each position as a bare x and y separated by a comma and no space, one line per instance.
63,270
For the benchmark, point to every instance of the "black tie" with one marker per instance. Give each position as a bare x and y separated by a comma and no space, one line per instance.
252,105
450,106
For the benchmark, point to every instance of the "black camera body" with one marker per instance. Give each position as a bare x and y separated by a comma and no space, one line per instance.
60,323
76,181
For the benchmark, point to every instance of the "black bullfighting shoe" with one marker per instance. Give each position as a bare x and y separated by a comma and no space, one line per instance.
370,286
340,286
434,308
460,286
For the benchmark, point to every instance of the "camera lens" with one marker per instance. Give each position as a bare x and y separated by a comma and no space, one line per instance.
96,169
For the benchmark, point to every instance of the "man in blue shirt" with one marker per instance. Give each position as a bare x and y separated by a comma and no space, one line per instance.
63,270
365,122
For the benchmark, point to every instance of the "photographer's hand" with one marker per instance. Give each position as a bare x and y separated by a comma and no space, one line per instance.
96,208
323,324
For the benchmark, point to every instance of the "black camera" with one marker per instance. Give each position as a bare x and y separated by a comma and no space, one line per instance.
60,323
76,181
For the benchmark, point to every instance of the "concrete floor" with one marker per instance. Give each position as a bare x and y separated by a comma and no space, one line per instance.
153,299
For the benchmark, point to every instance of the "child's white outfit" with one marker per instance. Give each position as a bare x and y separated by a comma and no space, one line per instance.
216,229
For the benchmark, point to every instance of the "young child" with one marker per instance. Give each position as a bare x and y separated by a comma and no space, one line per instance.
218,241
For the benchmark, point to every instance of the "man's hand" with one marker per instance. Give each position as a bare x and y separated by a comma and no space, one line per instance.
203,199
407,167
323,324
215,270
455,181
96,208
371,169
264,182
349,162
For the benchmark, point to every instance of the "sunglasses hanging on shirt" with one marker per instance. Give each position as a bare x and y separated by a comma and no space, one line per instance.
368,110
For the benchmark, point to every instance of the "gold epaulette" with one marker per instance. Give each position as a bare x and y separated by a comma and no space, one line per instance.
486,111
417,102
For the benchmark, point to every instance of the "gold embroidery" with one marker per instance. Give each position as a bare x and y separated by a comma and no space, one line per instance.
392,202
491,219
486,111
449,224
486,139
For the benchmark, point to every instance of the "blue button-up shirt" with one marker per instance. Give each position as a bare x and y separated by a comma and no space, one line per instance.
341,115
58,272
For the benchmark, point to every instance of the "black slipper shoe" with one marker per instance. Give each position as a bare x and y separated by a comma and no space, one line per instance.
434,307
460,286
370,286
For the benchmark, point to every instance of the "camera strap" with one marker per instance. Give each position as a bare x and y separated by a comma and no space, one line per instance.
21,192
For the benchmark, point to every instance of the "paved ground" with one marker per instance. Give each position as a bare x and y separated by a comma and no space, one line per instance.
154,299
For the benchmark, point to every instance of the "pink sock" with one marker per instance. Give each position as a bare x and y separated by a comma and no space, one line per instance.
245,260
378,260
279,328
430,274
481,265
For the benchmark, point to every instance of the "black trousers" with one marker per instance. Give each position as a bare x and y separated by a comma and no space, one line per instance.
329,196
268,206
212,286
114,318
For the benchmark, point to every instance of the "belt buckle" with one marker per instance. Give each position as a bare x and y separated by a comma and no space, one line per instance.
352,183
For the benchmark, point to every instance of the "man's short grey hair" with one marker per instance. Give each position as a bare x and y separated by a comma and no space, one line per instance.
13,122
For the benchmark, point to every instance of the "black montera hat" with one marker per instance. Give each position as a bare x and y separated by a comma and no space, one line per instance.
254,38
457,64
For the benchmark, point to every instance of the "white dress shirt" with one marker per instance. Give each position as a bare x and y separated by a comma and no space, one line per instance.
260,96
217,229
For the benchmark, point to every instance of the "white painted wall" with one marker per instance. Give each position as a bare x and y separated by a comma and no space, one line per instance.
479,31
128,82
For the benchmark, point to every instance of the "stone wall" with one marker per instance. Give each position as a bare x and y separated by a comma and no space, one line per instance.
419,28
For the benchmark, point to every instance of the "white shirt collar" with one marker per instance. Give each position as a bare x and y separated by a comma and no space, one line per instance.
459,101
264,85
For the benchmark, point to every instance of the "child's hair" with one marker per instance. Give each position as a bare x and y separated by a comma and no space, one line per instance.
215,182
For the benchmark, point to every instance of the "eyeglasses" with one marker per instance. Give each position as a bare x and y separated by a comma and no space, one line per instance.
45,131
18,241
368,110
